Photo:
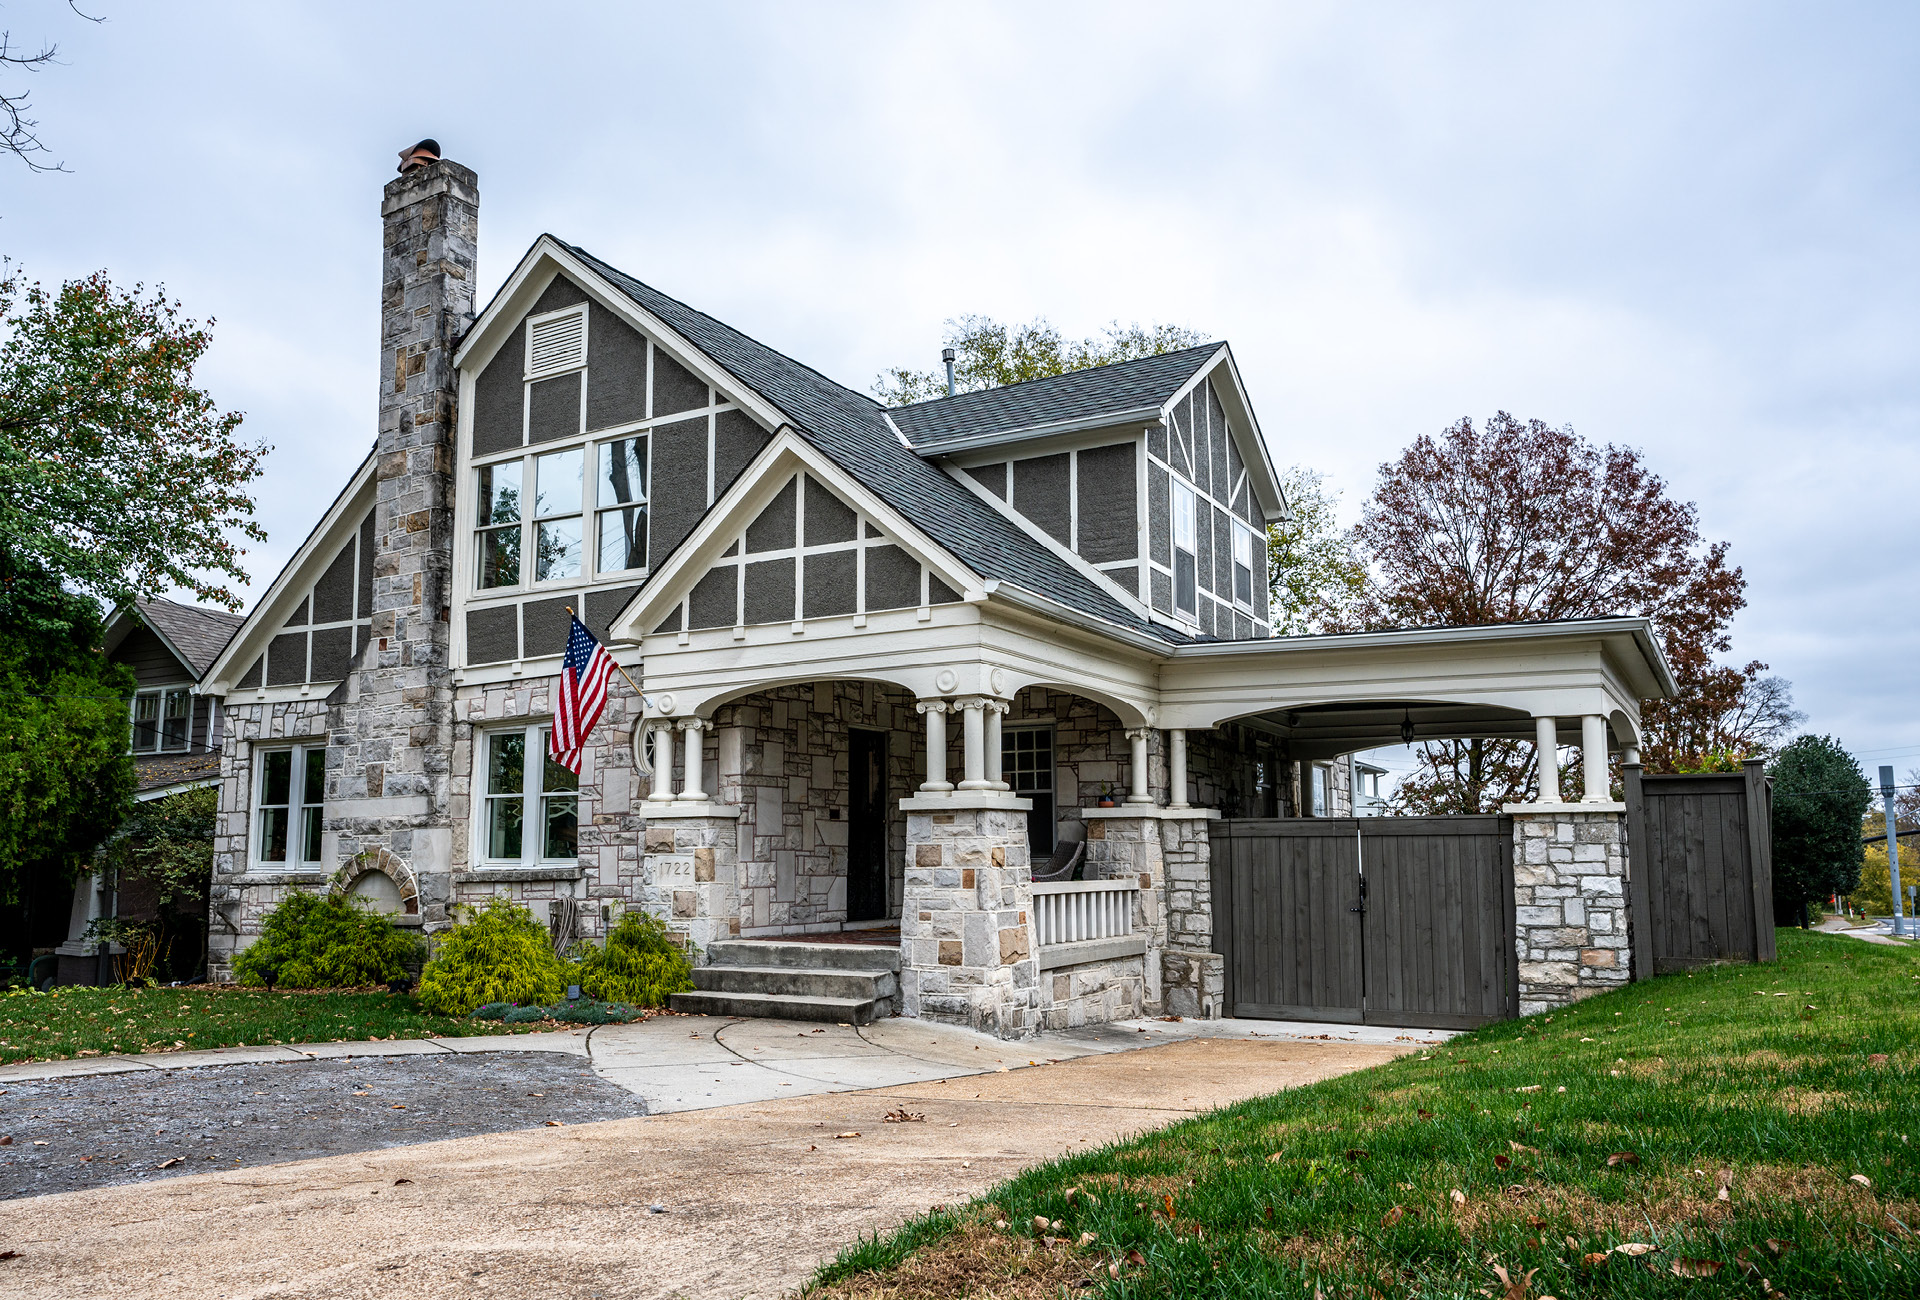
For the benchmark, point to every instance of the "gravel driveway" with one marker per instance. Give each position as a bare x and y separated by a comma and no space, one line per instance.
103,1130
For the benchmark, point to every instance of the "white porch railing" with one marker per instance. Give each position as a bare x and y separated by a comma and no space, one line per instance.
1074,911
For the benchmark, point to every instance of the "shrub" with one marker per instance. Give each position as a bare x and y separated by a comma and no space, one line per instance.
497,953
525,1015
585,1012
325,941
640,964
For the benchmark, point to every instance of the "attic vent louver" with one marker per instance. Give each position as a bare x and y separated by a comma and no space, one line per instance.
557,343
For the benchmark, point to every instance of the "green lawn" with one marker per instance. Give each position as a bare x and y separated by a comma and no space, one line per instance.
77,1021
1542,1146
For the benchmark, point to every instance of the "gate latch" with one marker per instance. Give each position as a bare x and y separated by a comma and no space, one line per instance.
1363,897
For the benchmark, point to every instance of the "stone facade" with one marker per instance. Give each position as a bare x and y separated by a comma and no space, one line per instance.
693,874
1093,993
1570,903
967,949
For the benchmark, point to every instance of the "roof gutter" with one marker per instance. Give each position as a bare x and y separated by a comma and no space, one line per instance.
1060,613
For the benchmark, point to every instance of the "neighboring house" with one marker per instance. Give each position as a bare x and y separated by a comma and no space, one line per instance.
176,744
1367,799
891,657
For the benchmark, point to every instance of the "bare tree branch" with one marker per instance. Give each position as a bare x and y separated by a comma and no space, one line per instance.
19,131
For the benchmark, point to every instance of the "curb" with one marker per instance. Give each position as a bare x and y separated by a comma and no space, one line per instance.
292,1053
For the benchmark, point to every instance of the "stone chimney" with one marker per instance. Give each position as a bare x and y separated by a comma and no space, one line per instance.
391,721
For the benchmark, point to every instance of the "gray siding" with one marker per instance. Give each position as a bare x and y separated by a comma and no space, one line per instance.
1217,444
713,602
287,659
991,477
770,590
736,441
544,625
679,484
939,593
498,398
1108,503
832,582
616,371
332,653
333,594
829,519
562,292
493,635
603,605
1042,492
1159,516
553,408
773,530
675,388
893,578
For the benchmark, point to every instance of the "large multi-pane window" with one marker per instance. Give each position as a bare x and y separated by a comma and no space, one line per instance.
291,794
1026,764
1184,563
162,721
531,811
527,537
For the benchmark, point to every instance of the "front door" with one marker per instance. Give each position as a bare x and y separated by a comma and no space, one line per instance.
867,825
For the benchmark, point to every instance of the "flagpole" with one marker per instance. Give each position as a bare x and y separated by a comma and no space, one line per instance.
616,663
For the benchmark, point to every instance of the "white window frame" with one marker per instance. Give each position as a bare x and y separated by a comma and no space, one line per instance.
160,695
1244,537
591,514
1185,496
567,362
298,809
532,793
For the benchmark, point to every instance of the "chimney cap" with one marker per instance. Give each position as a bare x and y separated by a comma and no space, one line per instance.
946,354
419,155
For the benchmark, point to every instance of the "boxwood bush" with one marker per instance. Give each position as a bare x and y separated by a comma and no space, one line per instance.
326,941
640,964
496,953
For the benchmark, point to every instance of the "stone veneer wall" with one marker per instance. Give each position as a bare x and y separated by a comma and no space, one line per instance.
1094,992
1570,904
237,905
967,928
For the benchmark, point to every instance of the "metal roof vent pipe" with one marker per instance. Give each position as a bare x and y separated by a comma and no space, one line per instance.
946,355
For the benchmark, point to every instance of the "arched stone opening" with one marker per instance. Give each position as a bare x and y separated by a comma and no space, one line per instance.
382,880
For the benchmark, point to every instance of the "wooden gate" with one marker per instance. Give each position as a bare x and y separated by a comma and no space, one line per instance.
1378,920
1699,854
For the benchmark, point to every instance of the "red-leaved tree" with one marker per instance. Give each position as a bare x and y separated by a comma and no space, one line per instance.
1520,522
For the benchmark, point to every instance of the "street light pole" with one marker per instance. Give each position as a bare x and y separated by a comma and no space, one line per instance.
1893,849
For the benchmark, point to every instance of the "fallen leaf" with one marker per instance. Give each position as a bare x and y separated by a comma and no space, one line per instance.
1169,1200
1594,1260
901,1115
5,1141
1515,1290
850,1134
1633,1248
1502,1162
999,1225
1278,1155
398,1181
9,1254
1777,1247
554,1123
1041,1223
1687,1266
1087,1239
1862,1179
1392,1217
1722,1195
1356,1154
1622,1158
396,1106
1877,1058
1532,1087
1515,1146
1135,1258
39,1142
1424,1114
169,1162
1457,1196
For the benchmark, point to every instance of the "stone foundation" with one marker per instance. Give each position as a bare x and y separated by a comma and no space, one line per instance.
967,947
1093,993
692,873
1570,902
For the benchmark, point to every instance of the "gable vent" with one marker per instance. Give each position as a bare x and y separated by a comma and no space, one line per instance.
557,343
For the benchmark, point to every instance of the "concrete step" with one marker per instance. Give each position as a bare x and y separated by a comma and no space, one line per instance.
800,955
790,981
843,1011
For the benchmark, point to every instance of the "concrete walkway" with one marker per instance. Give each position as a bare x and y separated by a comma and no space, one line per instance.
723,1200
1869,932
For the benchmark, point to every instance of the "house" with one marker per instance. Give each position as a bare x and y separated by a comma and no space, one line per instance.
176,746
895,661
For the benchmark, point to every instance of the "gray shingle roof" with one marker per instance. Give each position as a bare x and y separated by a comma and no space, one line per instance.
197,634
1080,395
851,430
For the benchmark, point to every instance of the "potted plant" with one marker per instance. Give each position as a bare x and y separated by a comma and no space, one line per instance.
1106,794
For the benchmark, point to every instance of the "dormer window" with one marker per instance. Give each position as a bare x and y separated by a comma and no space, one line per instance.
1185,565
557,343
162,721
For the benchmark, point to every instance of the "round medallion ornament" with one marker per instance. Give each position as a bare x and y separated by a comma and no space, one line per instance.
946,681
664,703
998,681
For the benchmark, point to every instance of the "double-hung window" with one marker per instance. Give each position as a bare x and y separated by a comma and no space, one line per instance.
532,512
499,523
162,721
1243,565
292,791
556,509
620,492
1185,589
531,811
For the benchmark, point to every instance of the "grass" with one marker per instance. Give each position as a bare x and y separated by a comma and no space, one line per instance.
1538,1146
75,1021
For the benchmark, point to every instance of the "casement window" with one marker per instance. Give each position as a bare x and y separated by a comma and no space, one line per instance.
1243,545
1184,563
1026,764
620,491
292,788
163,721
1320,789
524,537
530,811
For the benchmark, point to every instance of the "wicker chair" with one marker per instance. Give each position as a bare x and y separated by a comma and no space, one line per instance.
1065,863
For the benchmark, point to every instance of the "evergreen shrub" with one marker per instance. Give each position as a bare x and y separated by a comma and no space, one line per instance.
325,941
640,964
525,1015
497,953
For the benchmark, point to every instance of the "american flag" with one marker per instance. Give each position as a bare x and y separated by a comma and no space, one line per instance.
583,695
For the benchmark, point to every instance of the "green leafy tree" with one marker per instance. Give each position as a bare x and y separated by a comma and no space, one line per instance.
1315,578
989,354
117,473
66,778
1820,797
325,941
162,854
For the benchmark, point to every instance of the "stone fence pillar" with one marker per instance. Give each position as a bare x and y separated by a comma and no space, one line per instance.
1169,849
1570,901
967,951
692,879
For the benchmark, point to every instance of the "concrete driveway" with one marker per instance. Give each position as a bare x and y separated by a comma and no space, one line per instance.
700,1198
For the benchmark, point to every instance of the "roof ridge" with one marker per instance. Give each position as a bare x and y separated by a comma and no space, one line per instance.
1064,374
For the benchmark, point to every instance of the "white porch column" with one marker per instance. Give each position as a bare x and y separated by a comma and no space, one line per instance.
973,743
662,791
1594,785
1177,768
996,775
936,711
1137,787
1630,753
1546,758
695,761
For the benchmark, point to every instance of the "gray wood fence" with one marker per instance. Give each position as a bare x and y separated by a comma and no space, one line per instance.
1699,859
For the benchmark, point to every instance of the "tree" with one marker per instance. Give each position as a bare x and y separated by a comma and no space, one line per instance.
161,857
1315,581
66,776
1820,797
1521,522
18,132
117,474
992,355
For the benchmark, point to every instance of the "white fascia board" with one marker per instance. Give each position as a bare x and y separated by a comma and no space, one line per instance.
529,280
1059,613
1032,432
267,615
742,502
179,787
1639,631
1261,475
1042,538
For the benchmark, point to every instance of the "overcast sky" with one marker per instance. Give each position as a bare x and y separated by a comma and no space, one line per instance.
1689,228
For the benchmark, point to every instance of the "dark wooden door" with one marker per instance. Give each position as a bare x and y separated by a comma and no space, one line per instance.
1699,867
1383,921
866,825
